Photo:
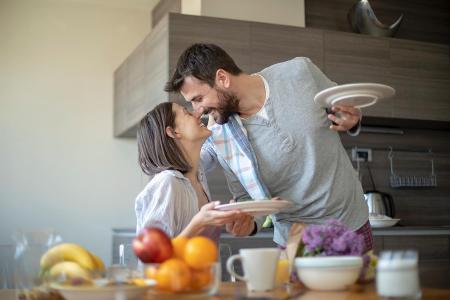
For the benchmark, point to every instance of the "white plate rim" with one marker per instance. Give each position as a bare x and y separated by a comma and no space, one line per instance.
377,91
100,289
254,204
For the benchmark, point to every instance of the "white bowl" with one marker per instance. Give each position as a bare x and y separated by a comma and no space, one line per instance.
328,273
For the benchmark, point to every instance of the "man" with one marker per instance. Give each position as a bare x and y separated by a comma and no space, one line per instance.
290,144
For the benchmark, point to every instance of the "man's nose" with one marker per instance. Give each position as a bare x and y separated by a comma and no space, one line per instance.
198,109
197,114
195,106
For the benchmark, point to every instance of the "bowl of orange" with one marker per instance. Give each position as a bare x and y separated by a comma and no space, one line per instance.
193,268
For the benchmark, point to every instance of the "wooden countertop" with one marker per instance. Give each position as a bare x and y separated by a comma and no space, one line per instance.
229,290
358,292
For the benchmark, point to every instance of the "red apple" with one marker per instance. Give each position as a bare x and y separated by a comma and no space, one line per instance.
152,245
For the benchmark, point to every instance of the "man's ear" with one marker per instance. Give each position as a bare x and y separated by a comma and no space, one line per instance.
223,79
171,132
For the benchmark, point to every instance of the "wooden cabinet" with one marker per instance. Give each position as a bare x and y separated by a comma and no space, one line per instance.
353,58
420,72
140,79
271,44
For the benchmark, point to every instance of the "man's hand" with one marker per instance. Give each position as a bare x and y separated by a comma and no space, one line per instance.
345,117
243,224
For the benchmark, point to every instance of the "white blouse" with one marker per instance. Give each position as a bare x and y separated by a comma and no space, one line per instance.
169,202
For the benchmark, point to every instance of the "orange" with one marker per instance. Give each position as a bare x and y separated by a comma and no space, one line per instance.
173,275
151,271
200,252
179,244
201,278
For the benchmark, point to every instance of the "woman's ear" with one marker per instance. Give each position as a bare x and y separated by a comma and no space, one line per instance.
171,132
222,79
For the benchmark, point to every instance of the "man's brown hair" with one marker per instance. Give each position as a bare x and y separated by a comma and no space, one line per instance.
157,151
202,62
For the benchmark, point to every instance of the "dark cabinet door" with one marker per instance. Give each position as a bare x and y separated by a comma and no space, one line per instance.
420,73
352,58
271,44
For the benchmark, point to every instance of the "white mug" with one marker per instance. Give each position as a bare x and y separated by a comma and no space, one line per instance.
259,264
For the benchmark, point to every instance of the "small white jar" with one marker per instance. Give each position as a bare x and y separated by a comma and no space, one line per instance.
397,275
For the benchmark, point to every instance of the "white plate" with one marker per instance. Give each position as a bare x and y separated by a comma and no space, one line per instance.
382,223
355,94
257,207
125,292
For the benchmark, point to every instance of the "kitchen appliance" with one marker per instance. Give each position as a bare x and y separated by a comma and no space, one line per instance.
379,203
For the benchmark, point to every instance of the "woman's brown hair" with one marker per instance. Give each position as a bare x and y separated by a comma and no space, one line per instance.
157,151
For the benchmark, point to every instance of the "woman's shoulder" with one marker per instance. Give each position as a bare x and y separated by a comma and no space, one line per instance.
166,180
168,176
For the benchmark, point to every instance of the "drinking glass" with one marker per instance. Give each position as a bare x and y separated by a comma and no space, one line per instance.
6,266
29,248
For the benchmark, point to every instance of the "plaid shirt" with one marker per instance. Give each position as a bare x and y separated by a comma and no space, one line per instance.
230,143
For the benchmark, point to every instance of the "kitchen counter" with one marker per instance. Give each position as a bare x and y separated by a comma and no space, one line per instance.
431,242
228,291
388,231
395,230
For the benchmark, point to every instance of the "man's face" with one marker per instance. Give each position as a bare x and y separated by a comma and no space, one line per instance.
220,104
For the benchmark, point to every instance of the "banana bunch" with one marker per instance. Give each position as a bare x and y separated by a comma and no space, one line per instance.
70,261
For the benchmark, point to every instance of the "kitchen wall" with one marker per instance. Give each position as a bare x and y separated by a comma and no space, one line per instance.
415,206
423,21
60,165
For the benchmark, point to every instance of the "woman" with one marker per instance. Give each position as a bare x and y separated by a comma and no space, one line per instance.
177,198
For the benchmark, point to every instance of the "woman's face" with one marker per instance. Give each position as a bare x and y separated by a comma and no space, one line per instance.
187,126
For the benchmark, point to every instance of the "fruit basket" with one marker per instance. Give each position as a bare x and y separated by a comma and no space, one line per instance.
179,265
175,277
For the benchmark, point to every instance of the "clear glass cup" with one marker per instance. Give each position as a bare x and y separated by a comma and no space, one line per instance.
7,266
29,248
224,253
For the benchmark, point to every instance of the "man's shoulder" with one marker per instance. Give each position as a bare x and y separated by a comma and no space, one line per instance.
296,61
287,68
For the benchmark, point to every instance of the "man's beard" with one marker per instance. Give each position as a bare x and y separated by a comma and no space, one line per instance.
228,105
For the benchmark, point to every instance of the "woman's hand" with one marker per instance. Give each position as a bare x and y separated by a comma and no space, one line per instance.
209,216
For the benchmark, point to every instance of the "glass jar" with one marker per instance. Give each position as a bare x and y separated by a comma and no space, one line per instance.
29,248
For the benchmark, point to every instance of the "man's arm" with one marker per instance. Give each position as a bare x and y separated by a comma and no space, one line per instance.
208,157
344,118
